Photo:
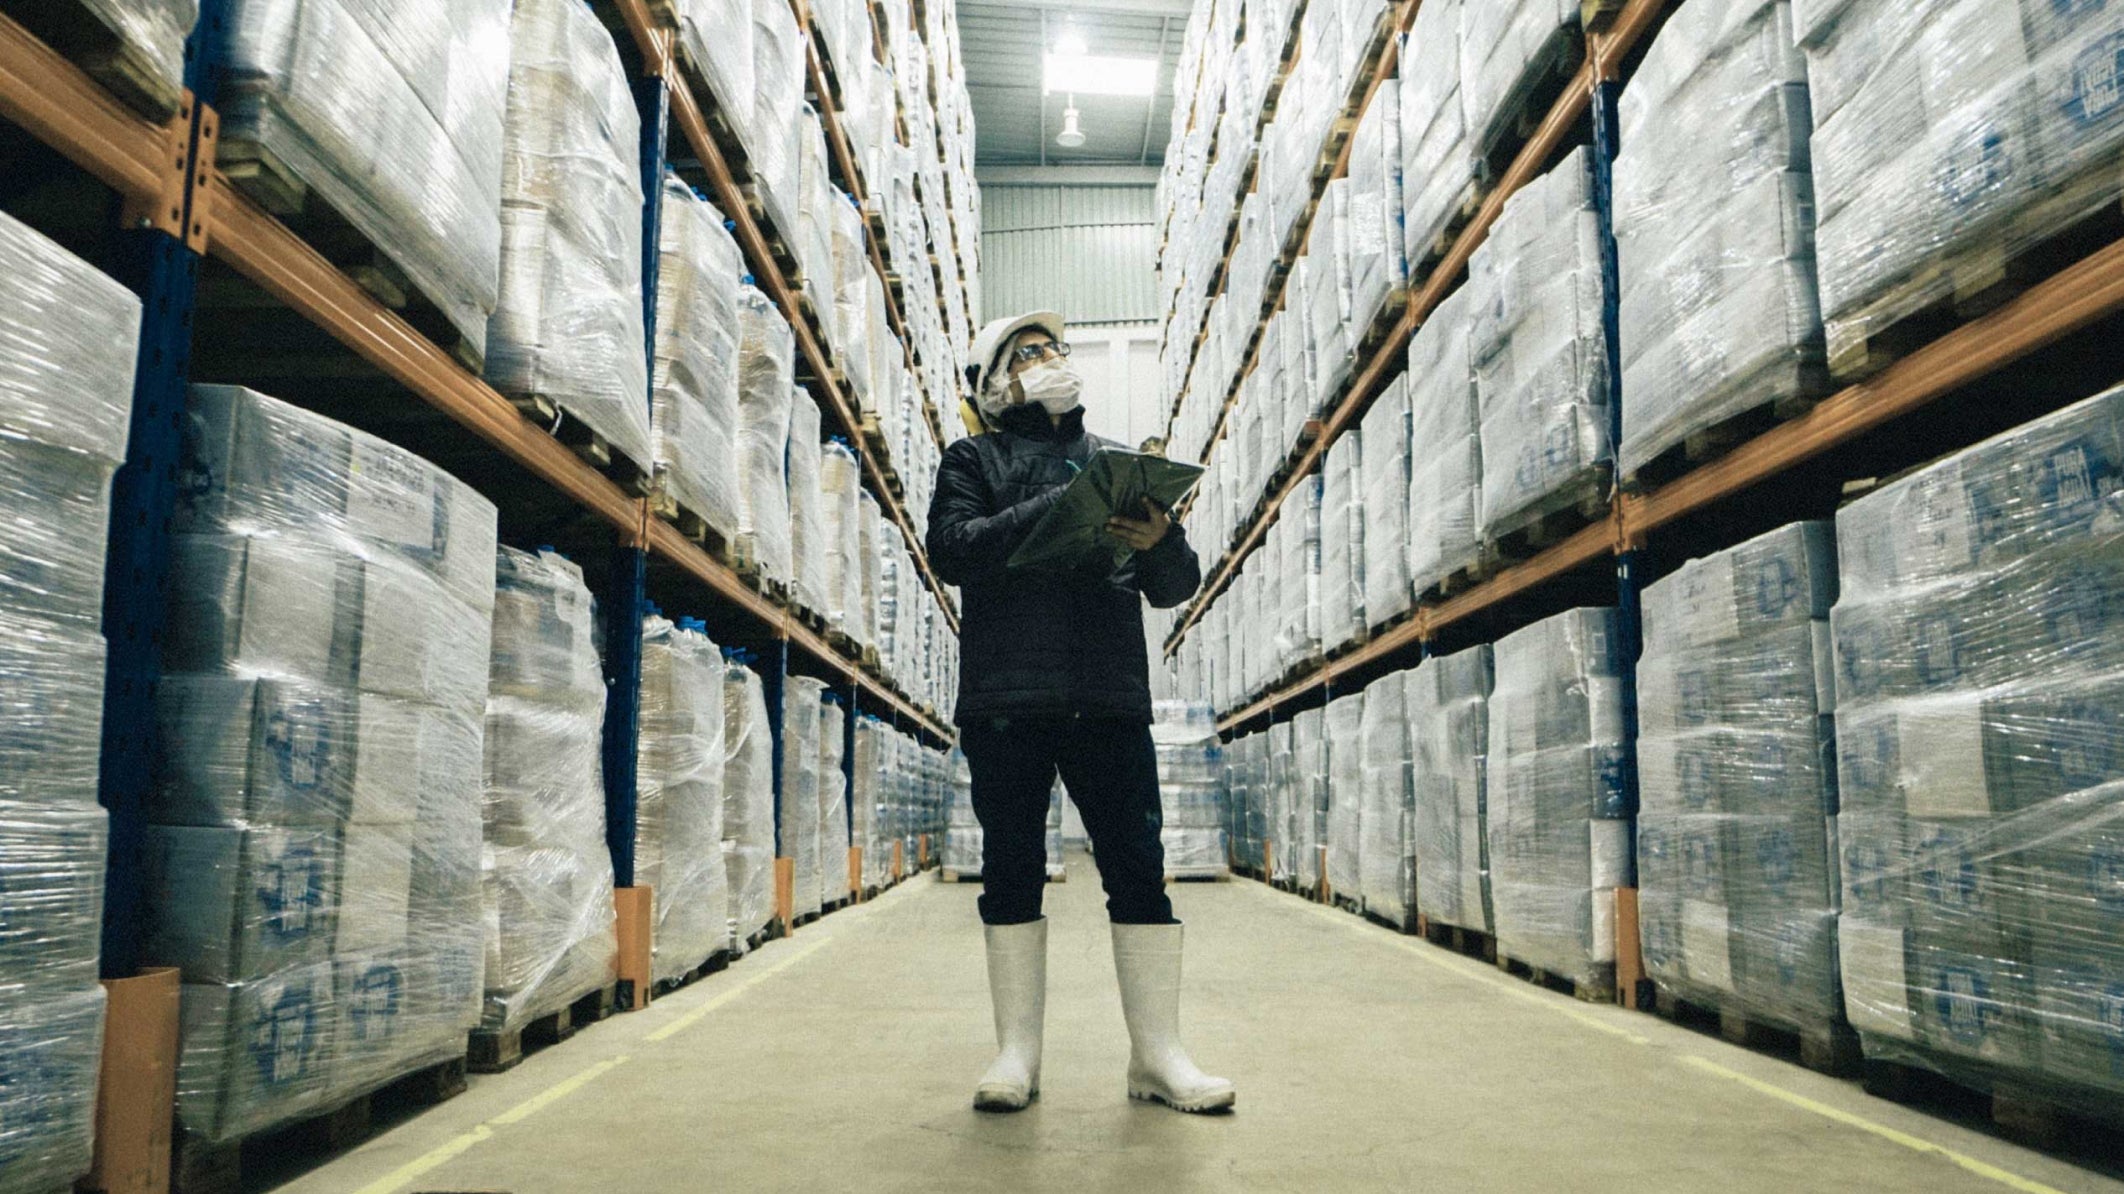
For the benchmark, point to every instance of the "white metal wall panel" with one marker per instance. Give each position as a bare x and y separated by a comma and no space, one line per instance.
1088,252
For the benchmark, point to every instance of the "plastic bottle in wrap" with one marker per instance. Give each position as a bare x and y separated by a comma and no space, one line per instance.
568,325
1342,797
1438,165
1445,474
1377,268
808,544
1449,736
1540,352
678,823
766,387
1737,882
719,52
1508,48
1383,496
1560,795
1191,770
390,112
1950,132
551,937
963,842
1714,221
1342,542
833,797
777,109
1386,865
312,856
1978,666
748,803
695,401
801,832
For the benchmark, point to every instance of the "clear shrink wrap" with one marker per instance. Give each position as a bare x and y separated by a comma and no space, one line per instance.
840,541
1560,795
777,112
766,389
1948,131
1299,576
871,532
1327,297
808,545
718,49
391,112
1281,802
1191,787
833,801
1980,671
1309,796
858,329
1342,539
695,400
866,792
1375,212
816,200
551,937
963,841
678,822
1341,801
1438,163
800,787
1714,222
1737,879
148,55
1386,862
1540,351
1055,796
748,803
50,1054
1449,737
1445,475
1384,500
313,850
1508,50
568,324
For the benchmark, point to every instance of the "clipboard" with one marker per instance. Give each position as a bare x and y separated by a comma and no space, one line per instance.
1072,536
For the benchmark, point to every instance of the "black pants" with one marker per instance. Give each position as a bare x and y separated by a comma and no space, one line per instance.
1111,770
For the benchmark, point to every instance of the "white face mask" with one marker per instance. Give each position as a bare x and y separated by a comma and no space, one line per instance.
1052,384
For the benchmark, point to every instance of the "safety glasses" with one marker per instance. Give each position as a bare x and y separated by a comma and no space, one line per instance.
1026,354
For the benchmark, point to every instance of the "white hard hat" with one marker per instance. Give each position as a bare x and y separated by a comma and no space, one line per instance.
998,332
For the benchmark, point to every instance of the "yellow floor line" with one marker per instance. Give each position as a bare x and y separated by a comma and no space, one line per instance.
751,980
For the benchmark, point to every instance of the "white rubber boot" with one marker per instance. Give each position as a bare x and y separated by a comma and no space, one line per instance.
1017,983
1147,959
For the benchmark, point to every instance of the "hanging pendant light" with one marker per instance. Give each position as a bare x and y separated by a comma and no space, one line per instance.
1072,134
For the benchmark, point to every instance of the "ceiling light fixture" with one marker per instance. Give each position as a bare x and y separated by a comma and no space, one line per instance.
1098,74
1071,44
1072,135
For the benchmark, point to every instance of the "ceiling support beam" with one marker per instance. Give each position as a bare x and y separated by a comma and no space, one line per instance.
1040,62
1150,102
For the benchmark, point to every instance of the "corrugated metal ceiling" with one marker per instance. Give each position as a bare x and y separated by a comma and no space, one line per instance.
1003,42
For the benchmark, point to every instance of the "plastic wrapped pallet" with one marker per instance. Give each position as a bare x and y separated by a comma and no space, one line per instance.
1559,795
1951,138
748,803
1309,795
1438,165
1449,735
1327,297
1508,50
1445,479
856,326
551,937
865,793
1055,796
800,787
1737,881
777,112
389,112
816,200
678,824
1714,222
841,515
568,325
1342,542
1540,352
1299,573
1376,240
766,389
1386,864
1384,500
833,802
1191,771
1343,804
963,840
695,428
808,544
313,851
1978,665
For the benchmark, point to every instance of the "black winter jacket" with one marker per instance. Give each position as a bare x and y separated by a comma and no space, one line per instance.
1043,644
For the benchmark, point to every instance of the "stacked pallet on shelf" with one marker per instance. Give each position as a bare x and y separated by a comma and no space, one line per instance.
834,828
748,804
694,415
801,833
1449,738
679,797
1192,786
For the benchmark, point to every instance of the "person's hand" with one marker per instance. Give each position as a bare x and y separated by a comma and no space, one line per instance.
1141,534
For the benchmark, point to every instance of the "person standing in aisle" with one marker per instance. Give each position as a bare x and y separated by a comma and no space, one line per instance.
1054,677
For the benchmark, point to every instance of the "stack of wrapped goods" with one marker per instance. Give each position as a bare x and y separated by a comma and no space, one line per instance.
777,113
1191,783
551,937
1508,49
813,244
1953,132
1281,801
390,113
136,48
1540,352
717,54
68,338
1327,298
314,848
1055,796
808,547
859,329
1978,668
1386,870
833,800
840,483
1737,881
799,803
1714,222
748,804
1343,807
766,389
962,833
1449,736
1560,796
567,331
1445,474
866,795
1242,828
1383,498
1376,240
678,820
1342,543
695,401
1438,165
1308,796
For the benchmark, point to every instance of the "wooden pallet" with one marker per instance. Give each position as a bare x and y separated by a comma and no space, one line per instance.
493,1050
1599,987
1407,924
1555,518
1486,564
633,477
1473,943
1708,444
2032,1117
199,1166
82,34
1549,70
1830,1048
1984,272
736,158
695,528
1424,258
1219,874
715,963
261,175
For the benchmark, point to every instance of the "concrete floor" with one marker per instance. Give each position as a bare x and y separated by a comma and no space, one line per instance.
844,1058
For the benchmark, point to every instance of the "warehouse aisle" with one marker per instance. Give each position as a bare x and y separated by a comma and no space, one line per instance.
842,1060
